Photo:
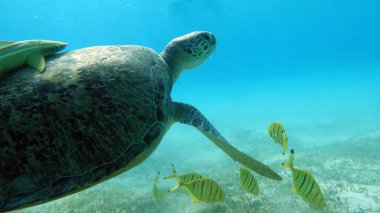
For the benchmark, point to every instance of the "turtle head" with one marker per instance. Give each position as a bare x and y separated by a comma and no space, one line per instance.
188,51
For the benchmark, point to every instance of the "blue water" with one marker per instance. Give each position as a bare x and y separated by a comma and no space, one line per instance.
313,65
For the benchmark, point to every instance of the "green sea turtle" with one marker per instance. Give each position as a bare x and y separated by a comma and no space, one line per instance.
94,114
31,52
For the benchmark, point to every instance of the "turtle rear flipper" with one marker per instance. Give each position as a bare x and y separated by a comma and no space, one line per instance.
188,114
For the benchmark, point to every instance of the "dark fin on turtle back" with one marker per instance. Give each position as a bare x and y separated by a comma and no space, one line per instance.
188,114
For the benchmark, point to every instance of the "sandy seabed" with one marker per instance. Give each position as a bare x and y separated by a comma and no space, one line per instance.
347,172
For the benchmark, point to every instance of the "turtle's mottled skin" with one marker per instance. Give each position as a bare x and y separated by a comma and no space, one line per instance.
94,113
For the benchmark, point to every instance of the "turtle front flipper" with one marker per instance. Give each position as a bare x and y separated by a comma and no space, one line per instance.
188,114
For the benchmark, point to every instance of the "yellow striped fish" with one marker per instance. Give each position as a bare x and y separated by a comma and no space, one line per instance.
158,194
248,181
186,178
205,190
305,185
200,188
277,132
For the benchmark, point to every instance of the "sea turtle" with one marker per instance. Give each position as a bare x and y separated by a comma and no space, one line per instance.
94,114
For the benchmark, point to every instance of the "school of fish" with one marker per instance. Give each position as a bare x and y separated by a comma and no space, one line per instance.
304,183
201,188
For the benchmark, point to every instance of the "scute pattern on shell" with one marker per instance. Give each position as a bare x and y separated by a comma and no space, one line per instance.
87,116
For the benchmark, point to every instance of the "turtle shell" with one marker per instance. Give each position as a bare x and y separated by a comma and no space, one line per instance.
80,122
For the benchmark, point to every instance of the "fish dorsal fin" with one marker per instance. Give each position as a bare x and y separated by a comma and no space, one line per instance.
37,61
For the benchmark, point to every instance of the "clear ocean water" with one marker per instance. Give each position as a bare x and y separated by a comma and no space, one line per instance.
314,66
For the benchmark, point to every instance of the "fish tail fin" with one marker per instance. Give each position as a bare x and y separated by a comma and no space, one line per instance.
173,174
